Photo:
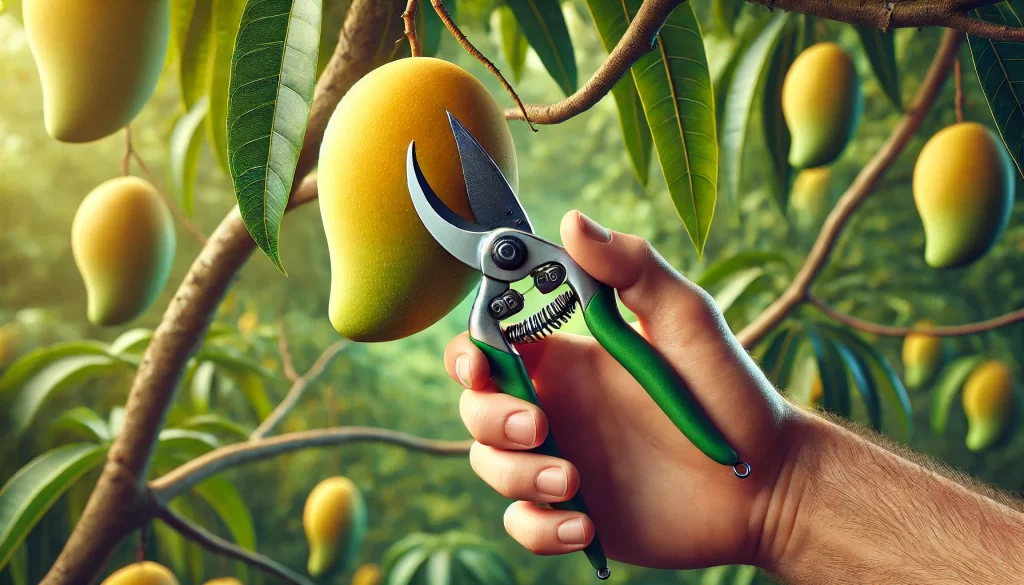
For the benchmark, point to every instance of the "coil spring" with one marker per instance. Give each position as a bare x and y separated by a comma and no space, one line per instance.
545,322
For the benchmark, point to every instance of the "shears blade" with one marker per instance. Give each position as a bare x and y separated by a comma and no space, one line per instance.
491,198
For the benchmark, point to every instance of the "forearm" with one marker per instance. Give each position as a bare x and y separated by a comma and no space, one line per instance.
849,511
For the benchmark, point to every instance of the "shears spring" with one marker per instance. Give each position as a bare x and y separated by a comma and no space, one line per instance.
544,322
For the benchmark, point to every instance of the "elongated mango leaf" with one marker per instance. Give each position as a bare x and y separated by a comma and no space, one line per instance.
513,42
272,75
84,422
833,374
1000,69
725,13
947,388
227,16
131,341
795,37
17,566
181,18
735,286
881,51
611,22
406,567
723,269
194,61
739,102
485,566
37,486
544,26
31,363
202,386
863,382
429,28
184,153
254,388
228,358
183,442
779,355
674,84
438,570
216,425
221,495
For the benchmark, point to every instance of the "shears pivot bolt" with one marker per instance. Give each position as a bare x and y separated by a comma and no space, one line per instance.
549,277
506,305
508,252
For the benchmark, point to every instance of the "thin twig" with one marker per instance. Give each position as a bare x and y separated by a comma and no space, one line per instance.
862,186
299,387
287,365
126,160
184,477
178,214
218,545
958,78
453,28
409,18
938,331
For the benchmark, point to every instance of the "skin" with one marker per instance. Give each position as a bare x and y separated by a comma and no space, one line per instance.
823,504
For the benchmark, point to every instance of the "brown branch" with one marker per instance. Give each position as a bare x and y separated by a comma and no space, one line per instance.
287,365
636,42
299,387
858,191
218,545
958,78
409,18
181,479
938,331
453,28
126,160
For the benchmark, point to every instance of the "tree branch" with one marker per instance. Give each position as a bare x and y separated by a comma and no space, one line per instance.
218,545
184,477
299,386
858,191
636,42
409,19
938,331
287,365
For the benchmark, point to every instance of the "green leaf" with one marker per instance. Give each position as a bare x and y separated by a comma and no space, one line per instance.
723,269
171,547
195,54
744,575
17,567
999,68
430,29
227,16
216,424
833,375
272,75
485,566
881,51
611,22
184,442
438,570
779,356
675,88
181,18
544,26
331,21
37,486
201,387
948,386
715,575
184,153
254,388
794,39
862,381
739,102
131,341
231,359
405,567
28,365
82,421
725,13
736,286
221,495
513,42
115,421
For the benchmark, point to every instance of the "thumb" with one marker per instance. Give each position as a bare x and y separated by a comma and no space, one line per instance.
670,307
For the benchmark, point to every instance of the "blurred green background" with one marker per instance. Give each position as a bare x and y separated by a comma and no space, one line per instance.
877,272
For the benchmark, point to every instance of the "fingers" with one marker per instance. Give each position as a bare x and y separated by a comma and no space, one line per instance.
502,421
466,364
548,532
525,476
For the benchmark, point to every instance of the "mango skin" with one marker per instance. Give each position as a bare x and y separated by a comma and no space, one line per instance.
822,103
964,190
99,62
810,196
389,278
988,403
144,573
334,520
922,354
122,239
368,574
224,581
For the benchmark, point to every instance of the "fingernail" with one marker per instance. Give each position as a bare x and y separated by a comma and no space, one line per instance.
552,482
594,230
520,429
572,532
462,370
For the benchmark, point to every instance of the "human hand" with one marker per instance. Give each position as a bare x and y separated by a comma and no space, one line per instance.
656,500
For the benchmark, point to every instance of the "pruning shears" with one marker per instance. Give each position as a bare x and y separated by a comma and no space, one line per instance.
500,243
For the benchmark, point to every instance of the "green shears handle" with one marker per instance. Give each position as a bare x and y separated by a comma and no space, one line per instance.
658,378
510,375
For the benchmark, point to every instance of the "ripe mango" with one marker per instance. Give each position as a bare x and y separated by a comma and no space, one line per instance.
144,573
988,403
368,574
224,581
334,519
964,191
817,390
922,354
389,278
810,196
822,103
122,239
99,63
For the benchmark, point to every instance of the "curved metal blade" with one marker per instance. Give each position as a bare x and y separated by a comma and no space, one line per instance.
459,237
491,198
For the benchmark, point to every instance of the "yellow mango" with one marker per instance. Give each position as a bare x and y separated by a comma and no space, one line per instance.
99,62
144,573
334,520
122,239
810,196
988,403
368,574
224,581
922,354
817,390
389,278
822,103
964,191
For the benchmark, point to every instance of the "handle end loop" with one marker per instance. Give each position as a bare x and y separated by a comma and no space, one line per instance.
603,573
742,469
